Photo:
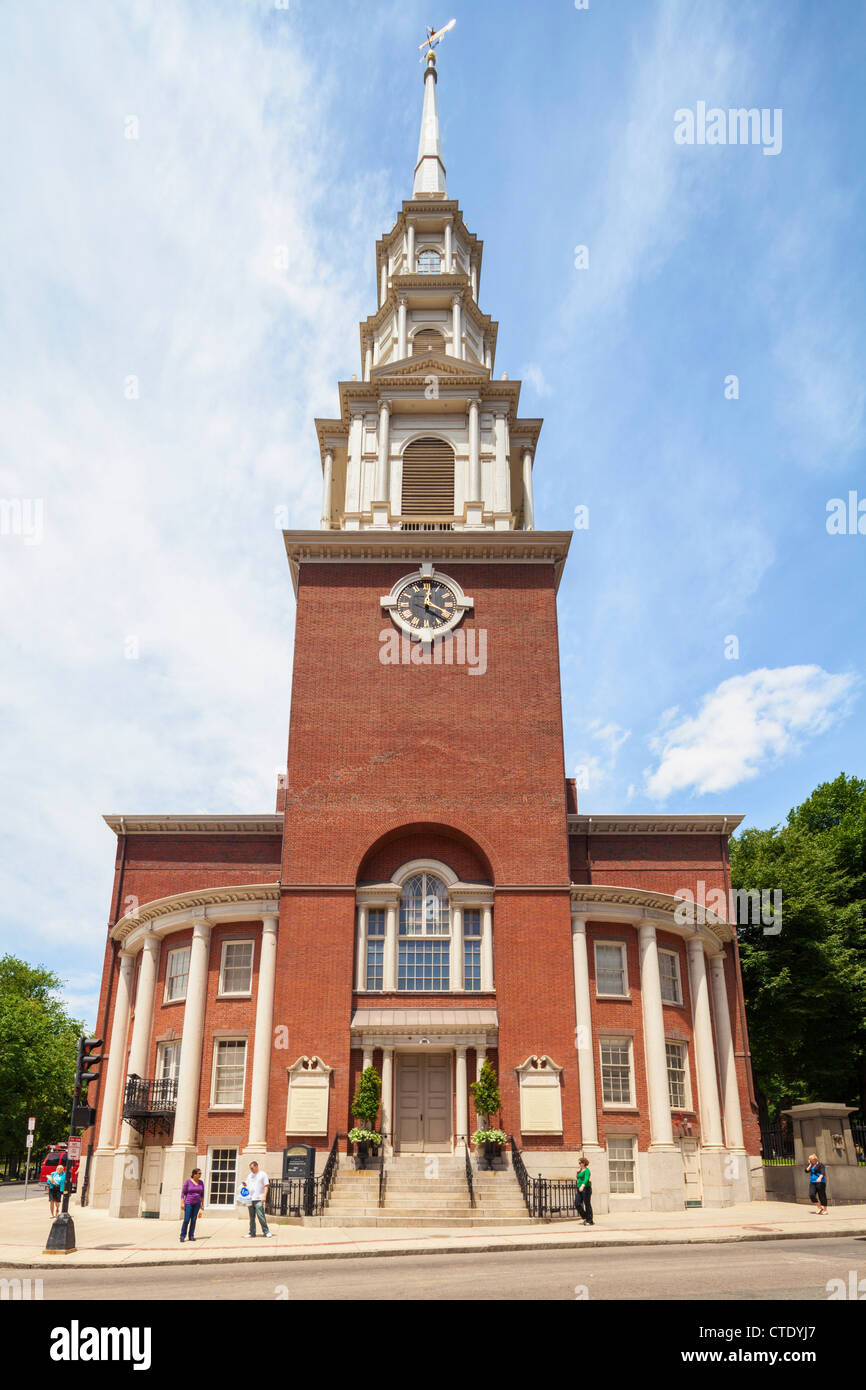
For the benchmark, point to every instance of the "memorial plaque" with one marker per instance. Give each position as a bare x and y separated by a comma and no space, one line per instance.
309,1092
299,1161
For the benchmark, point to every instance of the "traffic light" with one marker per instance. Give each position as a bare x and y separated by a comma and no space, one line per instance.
87,1069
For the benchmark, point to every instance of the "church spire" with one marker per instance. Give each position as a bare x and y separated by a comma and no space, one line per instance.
430,170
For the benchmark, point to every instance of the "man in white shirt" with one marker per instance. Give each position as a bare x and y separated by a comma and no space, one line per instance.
258,1183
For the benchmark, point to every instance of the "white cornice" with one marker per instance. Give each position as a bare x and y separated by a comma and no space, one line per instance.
155,824
653,825
615,903
482,547
233,903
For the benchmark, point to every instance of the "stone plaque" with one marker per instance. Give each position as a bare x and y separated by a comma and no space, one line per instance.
540,1097
309,1092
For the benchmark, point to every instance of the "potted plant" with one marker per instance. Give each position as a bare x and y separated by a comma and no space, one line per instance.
365,1108
488,1102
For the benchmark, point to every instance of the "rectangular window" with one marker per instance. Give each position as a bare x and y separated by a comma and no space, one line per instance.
423,965
472,948
676,1059
616,1071
222,1177
610,977
168,1061
621,1163
669,971
177,974
374,975
236,970
229,1066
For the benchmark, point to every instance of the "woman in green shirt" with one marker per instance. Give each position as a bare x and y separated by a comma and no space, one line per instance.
583,1200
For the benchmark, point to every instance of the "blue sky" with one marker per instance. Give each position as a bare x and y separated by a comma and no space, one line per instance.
160,371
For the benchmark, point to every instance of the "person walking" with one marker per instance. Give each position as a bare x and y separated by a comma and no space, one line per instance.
817,1183
192,1201
583,1198
55,1185
258,1183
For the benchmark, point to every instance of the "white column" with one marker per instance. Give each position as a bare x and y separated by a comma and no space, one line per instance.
387,1088
456,328
402,348
193,1031
705,1053
139,1050
361,971
367,1060
487,947
368,362
410,249
488,356
727,1063
353,471
501,484
661,1129
528,506
327,485
263,1039
389,972
583,1037
456,980
382,489
475,281
383,283
116,1069
474,494
480,1054
449,251
462,1090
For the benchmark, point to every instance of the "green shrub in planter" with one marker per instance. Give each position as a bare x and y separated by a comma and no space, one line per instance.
365,1106
485,1094
364,1136
490,1136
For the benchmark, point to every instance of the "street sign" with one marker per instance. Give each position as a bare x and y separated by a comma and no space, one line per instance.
30,1141
73,1149
31,1123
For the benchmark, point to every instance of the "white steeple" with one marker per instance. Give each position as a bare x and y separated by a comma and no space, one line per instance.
430,170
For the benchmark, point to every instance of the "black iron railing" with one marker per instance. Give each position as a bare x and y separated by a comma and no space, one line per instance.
858,1134
304,1196
777,1144
545,1198
469,1174
150,1103
382,1172
14,1166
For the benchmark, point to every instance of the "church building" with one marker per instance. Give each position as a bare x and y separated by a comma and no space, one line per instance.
427,892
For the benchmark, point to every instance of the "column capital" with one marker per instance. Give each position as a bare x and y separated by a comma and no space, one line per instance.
695,946
456,301
127,960
578,924
402,301
201,929
385,407
151,941
461,1050
647,928
270,924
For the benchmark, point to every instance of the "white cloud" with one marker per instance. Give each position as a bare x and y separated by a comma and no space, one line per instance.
533,376
743,725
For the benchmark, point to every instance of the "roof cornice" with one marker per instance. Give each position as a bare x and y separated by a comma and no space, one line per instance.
268,823
653,825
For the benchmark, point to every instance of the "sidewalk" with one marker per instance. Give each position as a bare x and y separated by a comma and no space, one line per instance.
105,1242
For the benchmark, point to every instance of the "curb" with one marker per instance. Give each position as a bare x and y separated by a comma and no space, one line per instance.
495,1246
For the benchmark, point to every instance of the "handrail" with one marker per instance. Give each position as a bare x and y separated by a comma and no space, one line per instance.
382,1171
520,1172
469,1174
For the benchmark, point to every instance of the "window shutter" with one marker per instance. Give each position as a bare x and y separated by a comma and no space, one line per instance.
428,478
428,338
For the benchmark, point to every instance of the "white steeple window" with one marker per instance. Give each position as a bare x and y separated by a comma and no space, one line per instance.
429,263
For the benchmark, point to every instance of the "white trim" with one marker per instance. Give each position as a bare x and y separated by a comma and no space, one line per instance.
613,1105
462,603
424,866
235,1104
208,1161
687,1106
678,1002
236,993
623,949
635,1154
176,998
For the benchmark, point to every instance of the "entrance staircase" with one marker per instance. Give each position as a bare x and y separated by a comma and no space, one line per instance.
421,1193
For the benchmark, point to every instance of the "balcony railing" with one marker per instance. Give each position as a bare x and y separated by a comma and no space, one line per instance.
149,1103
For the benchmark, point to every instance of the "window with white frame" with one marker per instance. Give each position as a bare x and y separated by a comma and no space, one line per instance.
236,968
429,263
669,973
676,1054
621,1163
610,968
472,948
616,1083
424,945
229,1068
177,974
222,1177
375,964
168,1060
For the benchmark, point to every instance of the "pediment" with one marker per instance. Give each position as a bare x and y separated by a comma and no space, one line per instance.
417,368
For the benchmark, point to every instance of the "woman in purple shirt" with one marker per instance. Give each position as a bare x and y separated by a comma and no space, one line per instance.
192,1198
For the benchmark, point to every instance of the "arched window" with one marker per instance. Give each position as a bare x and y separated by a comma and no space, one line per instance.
425,340
428,479
429,263
424,945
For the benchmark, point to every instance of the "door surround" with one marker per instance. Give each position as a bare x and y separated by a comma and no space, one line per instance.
423,1103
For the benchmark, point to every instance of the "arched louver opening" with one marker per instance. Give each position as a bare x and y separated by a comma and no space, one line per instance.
428,478
426,339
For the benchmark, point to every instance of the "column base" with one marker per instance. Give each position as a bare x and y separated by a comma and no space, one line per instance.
725,1177
100,1178
180,1159
126,1173
665,1173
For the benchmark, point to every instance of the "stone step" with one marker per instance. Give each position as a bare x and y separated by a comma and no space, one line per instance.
397,1220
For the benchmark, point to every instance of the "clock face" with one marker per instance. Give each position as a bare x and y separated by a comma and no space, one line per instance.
426,605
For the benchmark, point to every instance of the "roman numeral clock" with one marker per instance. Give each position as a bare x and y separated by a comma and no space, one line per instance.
426,603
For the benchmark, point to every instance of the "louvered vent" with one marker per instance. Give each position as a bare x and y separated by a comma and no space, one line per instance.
428,478
428,338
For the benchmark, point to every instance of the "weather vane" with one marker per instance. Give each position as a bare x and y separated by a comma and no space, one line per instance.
435,37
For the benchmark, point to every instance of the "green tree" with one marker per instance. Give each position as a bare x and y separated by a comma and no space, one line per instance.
365,1106
485,1093
37,1055
805,988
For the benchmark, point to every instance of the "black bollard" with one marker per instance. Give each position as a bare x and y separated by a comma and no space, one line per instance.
61,1237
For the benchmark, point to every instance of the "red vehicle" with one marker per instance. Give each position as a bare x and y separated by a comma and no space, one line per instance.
50,1162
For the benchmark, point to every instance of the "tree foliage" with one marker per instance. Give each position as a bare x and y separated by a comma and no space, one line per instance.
365,1106
485,1093
806,987
37,1055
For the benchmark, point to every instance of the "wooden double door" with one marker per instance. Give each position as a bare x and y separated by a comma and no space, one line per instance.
423,1107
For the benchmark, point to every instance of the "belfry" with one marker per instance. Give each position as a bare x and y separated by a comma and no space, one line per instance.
427,893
